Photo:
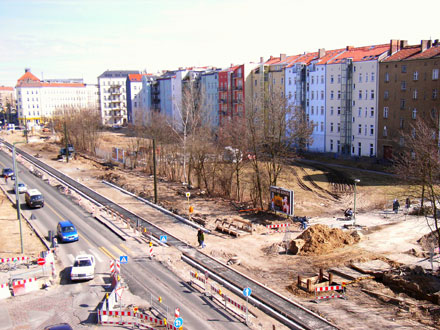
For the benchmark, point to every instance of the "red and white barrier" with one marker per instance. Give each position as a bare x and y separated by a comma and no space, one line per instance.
330,288
279,227
177,312
4,291
24,286
115,266
15,259
199,278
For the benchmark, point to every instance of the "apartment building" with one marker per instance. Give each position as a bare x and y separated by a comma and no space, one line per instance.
409,86
209,84
40,99
113,96
351,100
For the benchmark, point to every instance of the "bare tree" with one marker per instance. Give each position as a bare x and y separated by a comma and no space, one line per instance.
419,163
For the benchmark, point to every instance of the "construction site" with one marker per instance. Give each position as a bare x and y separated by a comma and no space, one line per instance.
378,269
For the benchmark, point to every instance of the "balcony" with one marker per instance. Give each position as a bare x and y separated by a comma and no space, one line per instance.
115,101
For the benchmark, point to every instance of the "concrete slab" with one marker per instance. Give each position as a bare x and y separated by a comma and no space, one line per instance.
346,272
371,267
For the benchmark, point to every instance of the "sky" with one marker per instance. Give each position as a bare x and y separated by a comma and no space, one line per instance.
83,38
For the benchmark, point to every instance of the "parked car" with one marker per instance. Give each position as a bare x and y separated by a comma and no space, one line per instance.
61,326
34,198
21,188
83,268
67,232
70,148
7,172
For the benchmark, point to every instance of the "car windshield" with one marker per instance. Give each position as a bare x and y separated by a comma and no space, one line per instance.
20,185
68,229
82,263
36,198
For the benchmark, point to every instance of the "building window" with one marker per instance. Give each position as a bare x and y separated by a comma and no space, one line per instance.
339,78
385,133
360,95
401,141
331,79
339,95
322,95
371,150
371,112
322,110
434,74
372,76
331,111
359,112
402,104
359,149
331,145
434,93
331,127
366,77
387,77
413,132
414,113
290,81
313,95
415,94
313,111
359,129
339,127
313,80
339,111
371,129
416,75
331,95
401,123
403,68
385,112
360,77
338,143
372,94
322,79
322,126
403,85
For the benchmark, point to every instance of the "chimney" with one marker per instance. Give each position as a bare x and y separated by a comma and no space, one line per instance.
403,43
282,57
424,44
321,52
27,70
261,59
349,47
435,43
271,57
394,46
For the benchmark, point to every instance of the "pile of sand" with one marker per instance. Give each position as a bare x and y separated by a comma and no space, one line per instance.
429,241
320,239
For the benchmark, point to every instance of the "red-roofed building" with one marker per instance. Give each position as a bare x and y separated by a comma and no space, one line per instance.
134,96
37,99
409,88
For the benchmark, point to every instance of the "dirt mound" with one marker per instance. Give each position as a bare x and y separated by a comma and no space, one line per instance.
319,239
428,241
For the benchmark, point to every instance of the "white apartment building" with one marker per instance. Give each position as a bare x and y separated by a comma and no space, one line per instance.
37,100
113,97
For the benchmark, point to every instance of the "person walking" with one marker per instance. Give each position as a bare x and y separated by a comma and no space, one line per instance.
396,206
6,178
201,238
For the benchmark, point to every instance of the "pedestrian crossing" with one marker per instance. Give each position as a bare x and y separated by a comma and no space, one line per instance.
102,255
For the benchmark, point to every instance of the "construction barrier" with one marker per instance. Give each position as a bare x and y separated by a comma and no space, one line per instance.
279,227
115,266
334,289
15,259
24,286
198,278
5,292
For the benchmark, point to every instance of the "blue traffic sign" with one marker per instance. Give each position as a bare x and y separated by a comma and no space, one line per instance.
123,259
247,292
163,238
178,322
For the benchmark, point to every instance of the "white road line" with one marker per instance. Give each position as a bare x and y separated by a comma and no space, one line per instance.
96,254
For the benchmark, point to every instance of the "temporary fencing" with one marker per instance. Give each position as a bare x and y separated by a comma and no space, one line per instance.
115,266
334,289
24,286
216,293
15,259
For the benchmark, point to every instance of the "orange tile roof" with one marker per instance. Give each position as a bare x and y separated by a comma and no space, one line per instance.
135,77
404,53
428,53
329,54
28,76
5,88
358,54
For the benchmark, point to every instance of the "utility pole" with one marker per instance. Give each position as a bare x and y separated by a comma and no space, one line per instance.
154,171
67,144
26,129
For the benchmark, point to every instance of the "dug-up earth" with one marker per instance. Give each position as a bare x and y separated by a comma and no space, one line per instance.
404,293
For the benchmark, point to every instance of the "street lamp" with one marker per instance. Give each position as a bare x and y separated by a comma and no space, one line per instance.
17,195
356,181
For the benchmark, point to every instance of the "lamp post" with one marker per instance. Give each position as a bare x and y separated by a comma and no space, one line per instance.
17,195
356,181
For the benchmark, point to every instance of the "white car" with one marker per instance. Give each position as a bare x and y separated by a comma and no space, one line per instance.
83,268
21,188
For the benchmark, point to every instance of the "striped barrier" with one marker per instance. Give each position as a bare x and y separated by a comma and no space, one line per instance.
138,316
24,286
199,278
279,227
333,288
115,266
14,259
5,292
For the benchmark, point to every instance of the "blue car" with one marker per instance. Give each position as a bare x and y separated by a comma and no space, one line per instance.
66,231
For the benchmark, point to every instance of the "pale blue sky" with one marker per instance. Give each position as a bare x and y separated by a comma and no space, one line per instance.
83,38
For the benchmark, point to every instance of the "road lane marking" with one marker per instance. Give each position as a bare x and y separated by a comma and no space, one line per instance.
103,249
117,250
96,254
125,248
71,258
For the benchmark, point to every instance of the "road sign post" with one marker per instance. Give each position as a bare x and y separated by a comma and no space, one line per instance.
41,262
247,292
122,260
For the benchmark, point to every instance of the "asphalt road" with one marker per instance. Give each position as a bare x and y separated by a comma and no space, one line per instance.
145,278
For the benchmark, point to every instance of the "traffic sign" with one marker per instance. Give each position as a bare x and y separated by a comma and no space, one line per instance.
123,259
41,261
163,238
178,322
247,292
188,194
